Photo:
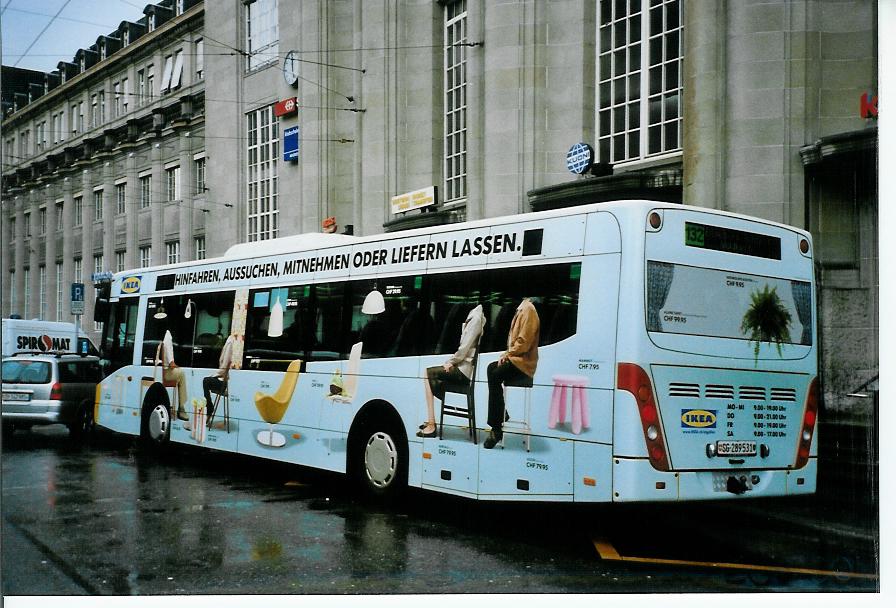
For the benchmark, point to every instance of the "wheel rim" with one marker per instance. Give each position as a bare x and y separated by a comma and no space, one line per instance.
381,460
86,420
159,423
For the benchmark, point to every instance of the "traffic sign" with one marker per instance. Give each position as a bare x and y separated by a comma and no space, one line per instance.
77,298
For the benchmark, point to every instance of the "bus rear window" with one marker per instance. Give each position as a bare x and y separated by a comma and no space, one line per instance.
721,304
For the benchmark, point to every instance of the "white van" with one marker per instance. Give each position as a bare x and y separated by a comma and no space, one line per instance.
21,335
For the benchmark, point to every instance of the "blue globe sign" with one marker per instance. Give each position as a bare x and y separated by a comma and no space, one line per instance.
579,158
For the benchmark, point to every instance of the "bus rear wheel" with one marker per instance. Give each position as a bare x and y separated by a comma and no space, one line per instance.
380,460
82,427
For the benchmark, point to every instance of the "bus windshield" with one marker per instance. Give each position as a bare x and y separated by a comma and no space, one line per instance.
715,303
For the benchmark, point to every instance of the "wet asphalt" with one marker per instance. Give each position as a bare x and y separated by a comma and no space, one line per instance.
107,518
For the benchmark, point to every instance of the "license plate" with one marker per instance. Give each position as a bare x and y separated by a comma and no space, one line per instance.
736,448
16,397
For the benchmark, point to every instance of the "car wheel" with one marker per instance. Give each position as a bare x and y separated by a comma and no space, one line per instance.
83,425
8,429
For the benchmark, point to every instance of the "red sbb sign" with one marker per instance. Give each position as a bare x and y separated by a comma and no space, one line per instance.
287,107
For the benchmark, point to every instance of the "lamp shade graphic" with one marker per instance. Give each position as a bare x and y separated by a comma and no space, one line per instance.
273,407
373,303
275,325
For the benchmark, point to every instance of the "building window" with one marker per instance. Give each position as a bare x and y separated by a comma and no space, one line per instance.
125,95
263,149
141,87
116,103
150,79
455,101
94,111
151,22
102,50
166,74
120,198
60,220
79,210
42,291
97,264
145,256
125,37
261,33
199,172
59,291
178,7
27,222
199,248
97,205
172,252
145,193
27,304
172,181
12,228
102,95
42,220
40,139
119,261
79,271
639,75
199,59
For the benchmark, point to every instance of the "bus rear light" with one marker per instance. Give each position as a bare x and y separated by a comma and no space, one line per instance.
56,392
655,220
804,246
810,416
633,379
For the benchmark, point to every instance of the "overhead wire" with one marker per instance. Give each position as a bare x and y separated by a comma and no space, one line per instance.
46,27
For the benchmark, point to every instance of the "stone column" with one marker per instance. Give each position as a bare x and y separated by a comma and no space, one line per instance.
187,195
109,212
159,199
475,110
86,225
50,256
34,200
6,242
132,212
68,240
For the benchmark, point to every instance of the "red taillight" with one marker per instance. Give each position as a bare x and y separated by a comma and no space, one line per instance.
631,378
810,415
56,392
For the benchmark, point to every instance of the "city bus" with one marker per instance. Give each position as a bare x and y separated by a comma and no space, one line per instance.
676,355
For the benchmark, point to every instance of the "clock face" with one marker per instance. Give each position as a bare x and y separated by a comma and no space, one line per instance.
291,68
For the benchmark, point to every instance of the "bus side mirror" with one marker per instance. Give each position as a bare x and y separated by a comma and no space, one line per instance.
102,307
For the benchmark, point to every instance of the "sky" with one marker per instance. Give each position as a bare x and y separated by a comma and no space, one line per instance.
77,26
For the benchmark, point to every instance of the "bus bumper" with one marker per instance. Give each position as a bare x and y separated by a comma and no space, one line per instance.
636,480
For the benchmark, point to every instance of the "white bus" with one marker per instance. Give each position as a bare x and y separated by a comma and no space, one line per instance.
676,355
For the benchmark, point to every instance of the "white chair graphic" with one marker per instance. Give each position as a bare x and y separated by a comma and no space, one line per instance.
351,376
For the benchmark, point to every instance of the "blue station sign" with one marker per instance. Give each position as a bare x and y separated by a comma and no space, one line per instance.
291,144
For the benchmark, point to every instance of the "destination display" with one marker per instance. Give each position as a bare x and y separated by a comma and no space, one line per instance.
728,240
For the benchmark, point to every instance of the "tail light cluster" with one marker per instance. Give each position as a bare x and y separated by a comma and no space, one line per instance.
631,378
56,392
810,415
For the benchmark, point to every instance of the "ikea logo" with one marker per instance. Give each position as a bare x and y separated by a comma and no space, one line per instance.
130,285
698,419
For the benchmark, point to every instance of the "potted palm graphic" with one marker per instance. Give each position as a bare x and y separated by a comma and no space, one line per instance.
766,320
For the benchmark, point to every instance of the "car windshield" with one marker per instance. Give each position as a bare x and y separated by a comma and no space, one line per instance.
25,372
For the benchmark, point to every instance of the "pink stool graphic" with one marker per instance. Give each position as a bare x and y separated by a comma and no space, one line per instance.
557,413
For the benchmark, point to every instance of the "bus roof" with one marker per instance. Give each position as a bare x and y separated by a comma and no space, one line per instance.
316,240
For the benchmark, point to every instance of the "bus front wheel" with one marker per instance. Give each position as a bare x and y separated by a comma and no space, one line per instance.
156,424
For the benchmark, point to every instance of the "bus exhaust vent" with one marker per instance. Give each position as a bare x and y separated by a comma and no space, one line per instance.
783,394
752,393
719,391
681,389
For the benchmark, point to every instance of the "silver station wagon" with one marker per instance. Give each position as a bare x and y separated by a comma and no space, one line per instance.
40,389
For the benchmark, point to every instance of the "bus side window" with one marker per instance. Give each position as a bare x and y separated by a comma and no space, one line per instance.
211,316
326,335
272,321
163,314
453,296
119,333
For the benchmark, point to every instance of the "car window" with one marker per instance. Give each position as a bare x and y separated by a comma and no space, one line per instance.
26,372
79,371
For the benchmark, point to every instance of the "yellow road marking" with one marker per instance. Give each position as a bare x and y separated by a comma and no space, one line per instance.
608,552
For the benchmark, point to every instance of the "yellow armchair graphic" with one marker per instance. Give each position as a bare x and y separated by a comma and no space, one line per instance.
273,407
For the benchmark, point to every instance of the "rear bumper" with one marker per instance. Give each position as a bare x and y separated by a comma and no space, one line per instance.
636,480
38,412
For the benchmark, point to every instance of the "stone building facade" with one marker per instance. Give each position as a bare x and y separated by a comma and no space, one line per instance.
103,162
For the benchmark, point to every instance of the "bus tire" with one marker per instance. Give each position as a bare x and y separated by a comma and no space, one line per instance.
82,427
378,452
155,418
